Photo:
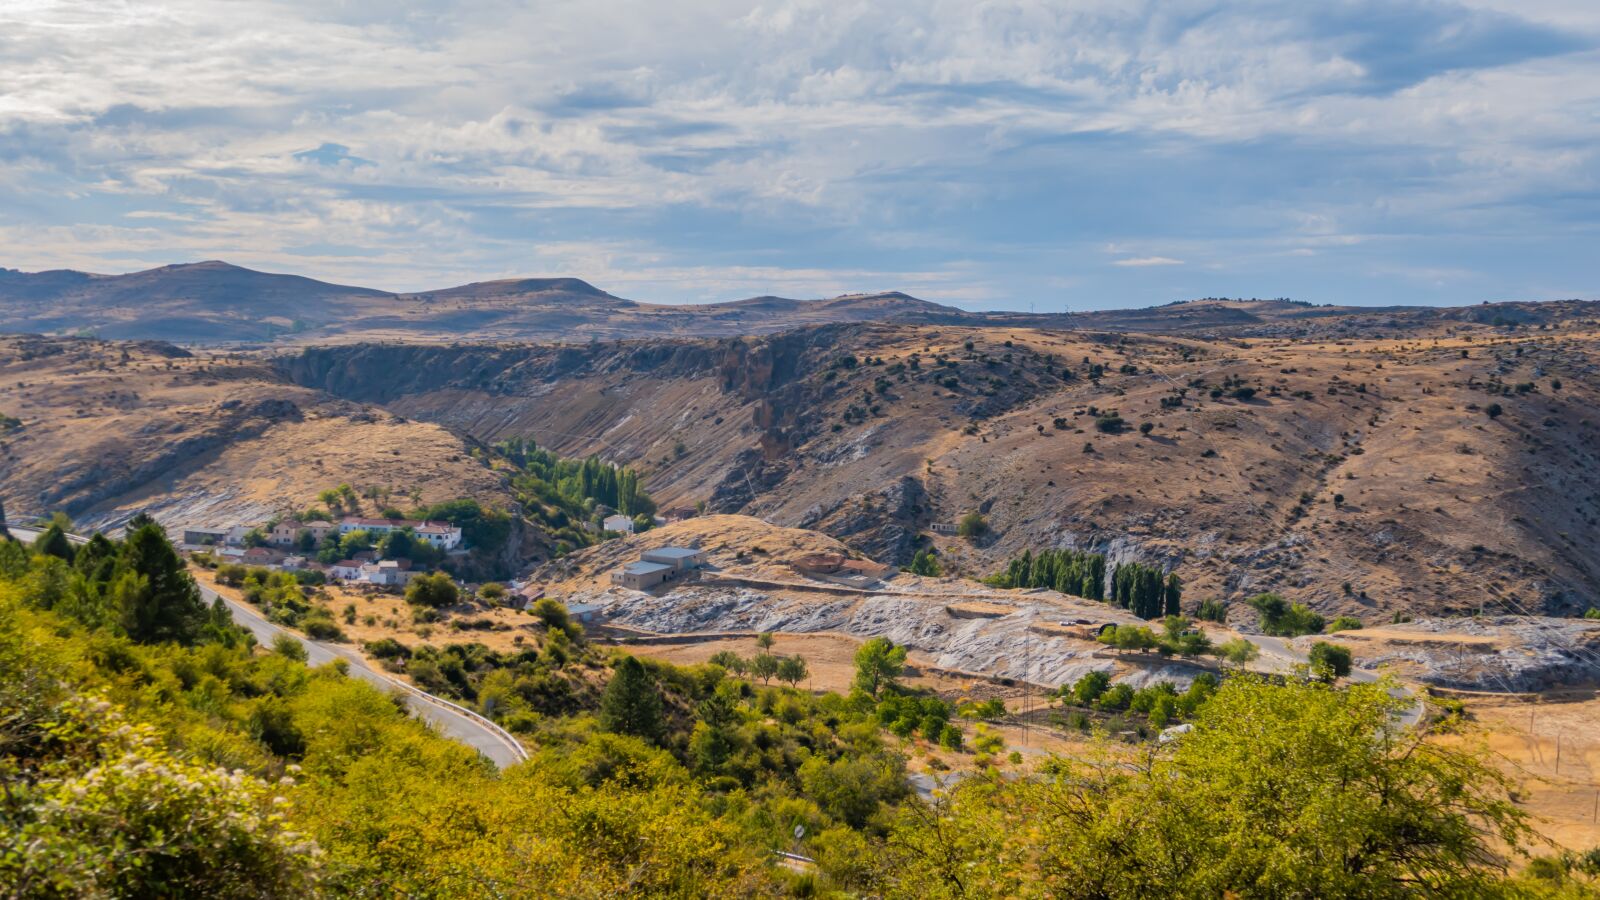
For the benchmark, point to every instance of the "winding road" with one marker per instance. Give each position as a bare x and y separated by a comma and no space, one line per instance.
451,720
1285,657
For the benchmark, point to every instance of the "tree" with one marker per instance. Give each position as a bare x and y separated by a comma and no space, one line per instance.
925,562
764,640
1294,790
878,664
764,666
1281,619
398,544
1493,410
631,703
434,590
53,542
1212,610
158,601
1089,688
492,593
727,659
5,533
972,525
793,670
1330,662
1130,637
1238,651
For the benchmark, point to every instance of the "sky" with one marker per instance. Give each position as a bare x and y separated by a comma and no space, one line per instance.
1061,155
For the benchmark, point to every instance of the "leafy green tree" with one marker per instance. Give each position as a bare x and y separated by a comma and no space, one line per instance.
1330,661
764,666
1344,623
435,590
972,525
631,703
1280,618
1294,790
1238,651
764,640
1088,689
1212,610
879,664
1130,637
925,562
792,670
398,544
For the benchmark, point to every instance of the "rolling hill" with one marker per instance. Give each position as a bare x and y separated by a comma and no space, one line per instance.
214,303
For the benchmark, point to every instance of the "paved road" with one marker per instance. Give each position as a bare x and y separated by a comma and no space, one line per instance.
1285,656
451,720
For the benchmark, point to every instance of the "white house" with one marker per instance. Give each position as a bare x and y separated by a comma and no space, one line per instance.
618,523
345,570
439,534
371,526
386,572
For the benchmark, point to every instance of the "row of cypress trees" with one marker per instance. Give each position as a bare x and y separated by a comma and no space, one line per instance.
1146,591
1076,572
1141,588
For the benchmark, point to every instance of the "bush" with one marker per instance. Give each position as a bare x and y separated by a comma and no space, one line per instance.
1344,623
972,525
435,591
1280,619
1330,661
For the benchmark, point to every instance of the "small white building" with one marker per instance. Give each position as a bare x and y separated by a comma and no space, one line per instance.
372,526
387,573
293,563
619,523
345,570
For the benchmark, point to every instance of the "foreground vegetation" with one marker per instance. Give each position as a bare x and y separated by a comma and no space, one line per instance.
147,748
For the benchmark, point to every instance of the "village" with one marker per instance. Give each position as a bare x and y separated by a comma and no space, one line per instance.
294,546
389,552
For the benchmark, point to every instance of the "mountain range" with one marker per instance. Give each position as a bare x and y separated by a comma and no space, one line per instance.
215,302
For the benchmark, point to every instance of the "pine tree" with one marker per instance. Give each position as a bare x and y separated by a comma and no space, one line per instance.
163,603
53,542
631,704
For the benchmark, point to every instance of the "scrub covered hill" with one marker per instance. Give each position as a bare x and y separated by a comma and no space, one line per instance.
189,762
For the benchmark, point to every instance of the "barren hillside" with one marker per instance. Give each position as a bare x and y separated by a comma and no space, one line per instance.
1364,476
103,430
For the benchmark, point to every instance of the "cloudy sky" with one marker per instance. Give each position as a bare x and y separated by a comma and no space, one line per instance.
1057,154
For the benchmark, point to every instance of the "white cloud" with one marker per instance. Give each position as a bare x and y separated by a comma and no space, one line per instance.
1140,261
721,142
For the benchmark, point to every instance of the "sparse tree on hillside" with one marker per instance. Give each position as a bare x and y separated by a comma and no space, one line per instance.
764,666
764,640
878,664
793,670
972,525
